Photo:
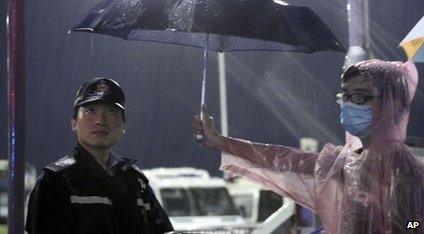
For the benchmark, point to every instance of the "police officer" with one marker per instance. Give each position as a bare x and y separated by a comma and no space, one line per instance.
92,190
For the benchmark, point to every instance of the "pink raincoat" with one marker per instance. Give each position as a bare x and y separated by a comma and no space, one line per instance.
375,190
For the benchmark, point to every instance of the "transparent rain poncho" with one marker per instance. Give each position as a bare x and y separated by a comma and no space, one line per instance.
374,190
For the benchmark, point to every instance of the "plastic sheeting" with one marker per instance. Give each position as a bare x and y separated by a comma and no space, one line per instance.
374,190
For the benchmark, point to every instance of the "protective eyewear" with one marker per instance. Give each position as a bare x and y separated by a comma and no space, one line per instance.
357,98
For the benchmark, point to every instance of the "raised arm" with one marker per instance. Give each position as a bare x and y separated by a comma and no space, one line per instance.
269,156
285,170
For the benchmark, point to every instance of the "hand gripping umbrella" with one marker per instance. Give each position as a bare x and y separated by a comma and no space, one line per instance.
218,25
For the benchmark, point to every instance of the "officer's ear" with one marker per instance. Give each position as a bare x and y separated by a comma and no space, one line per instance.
73,124
74,120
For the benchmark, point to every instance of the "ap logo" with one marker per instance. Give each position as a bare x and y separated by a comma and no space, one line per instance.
412,225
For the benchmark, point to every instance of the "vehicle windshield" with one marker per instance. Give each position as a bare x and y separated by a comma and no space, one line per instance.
197,202
269,202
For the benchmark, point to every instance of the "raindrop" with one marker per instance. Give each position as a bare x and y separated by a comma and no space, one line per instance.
92,45
315,104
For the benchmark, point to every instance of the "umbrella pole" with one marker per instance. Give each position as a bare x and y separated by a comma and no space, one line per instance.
199,137
205,67
223,94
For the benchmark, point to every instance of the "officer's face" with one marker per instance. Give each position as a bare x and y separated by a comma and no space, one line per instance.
98,125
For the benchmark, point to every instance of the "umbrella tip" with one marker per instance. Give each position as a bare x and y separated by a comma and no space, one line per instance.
281,2
80,30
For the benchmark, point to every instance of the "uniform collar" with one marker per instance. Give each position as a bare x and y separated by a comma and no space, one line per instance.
88,160
115,161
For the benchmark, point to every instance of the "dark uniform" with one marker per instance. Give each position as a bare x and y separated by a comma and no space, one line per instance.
75,195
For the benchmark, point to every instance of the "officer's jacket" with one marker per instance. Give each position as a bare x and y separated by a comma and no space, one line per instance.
75,195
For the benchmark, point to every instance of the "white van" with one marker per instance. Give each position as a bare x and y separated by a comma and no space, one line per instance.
268,211
30,180
195,202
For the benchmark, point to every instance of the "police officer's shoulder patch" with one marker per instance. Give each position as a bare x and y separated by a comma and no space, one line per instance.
139,173
127,163
60,164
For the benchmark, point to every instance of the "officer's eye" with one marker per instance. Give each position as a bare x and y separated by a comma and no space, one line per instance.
89,110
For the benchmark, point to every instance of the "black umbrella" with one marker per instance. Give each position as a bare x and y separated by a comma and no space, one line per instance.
219,25
233,25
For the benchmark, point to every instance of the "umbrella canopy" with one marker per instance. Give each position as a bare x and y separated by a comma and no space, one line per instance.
414,41
231,25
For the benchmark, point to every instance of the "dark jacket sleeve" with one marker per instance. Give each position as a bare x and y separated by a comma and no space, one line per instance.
161,220
49,206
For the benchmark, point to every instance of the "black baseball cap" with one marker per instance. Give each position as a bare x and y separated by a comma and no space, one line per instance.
100,89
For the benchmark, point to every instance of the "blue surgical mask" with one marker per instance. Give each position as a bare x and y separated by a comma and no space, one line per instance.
356,119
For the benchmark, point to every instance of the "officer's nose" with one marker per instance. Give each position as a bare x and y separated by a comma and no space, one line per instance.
101,118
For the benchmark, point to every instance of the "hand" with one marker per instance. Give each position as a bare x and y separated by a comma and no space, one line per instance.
205,128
